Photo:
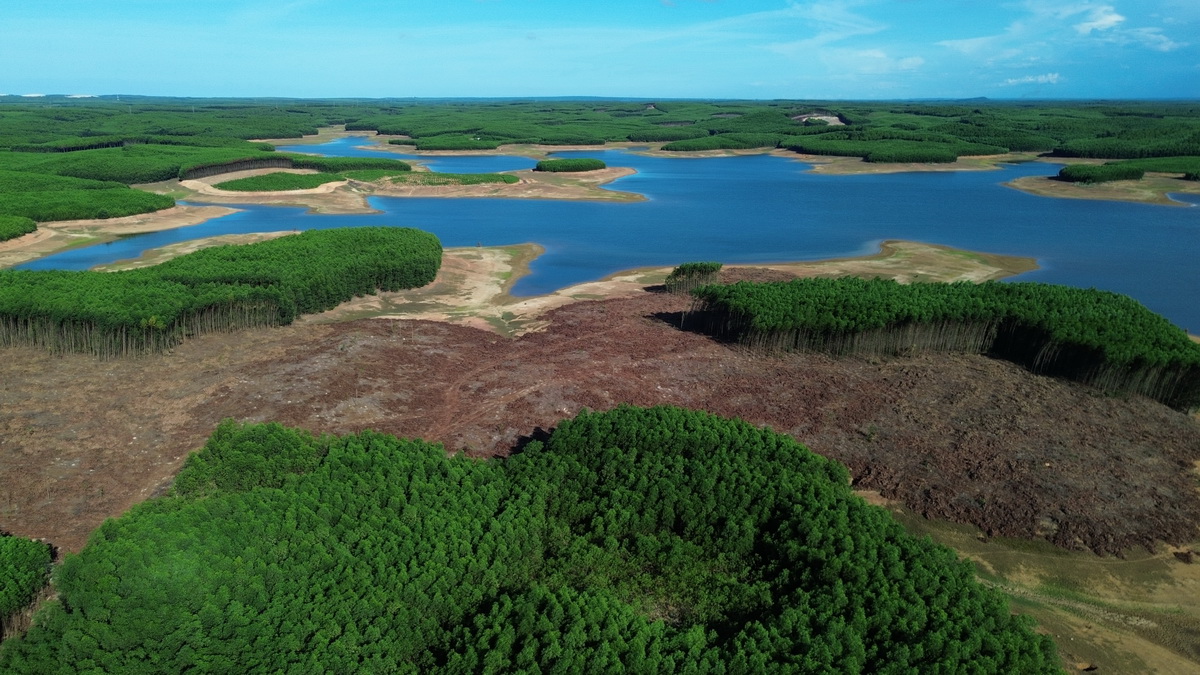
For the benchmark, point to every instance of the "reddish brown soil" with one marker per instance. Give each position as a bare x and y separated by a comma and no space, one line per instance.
960,437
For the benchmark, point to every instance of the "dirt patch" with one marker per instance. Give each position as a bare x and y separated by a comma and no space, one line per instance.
336,197
959,437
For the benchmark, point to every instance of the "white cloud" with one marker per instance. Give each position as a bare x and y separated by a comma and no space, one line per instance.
1100,18
1153,38
1048,78
833,22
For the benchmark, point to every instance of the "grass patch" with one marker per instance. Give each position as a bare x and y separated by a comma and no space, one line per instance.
434,178
372,175
273,182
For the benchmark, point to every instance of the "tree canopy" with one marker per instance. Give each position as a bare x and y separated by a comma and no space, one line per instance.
636,540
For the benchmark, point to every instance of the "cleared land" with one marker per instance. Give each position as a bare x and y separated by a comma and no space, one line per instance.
1022,456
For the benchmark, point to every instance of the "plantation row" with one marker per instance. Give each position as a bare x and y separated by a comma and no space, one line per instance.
97,142
1087,173
24,571
292,181
689,276
569,165
26,197
216,289
152,163
638,540
1100,338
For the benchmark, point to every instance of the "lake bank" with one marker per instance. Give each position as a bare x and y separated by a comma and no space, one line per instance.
61,235
474,285
1153,189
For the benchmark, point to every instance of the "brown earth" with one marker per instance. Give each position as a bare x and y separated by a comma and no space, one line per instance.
964,438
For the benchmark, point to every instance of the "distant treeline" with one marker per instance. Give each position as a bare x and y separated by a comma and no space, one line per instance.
156,139
215,289
1104,339
638,540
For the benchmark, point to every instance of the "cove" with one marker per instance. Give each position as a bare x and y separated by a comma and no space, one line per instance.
763,208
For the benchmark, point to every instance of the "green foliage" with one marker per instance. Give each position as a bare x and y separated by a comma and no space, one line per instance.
279,181
1091,173
372,175
129,164
1180,165
1105,339
44,197
343,164
453,142
215,289
730,141
879,132
437,178
667,134
12,227
24,570
691,275
638,540
95,142
569,165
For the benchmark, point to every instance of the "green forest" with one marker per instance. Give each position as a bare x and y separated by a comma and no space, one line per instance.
24,572
1098,337
221,288
636,540
143,140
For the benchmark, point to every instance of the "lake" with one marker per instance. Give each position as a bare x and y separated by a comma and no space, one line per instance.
763,208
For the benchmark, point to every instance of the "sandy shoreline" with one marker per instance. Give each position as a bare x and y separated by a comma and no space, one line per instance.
61,235
474,284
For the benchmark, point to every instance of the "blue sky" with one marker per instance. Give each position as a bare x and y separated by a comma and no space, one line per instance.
762,49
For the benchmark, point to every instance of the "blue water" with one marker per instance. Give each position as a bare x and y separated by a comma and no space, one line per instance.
347,147
763,208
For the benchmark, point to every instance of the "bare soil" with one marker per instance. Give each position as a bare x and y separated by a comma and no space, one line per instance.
964,438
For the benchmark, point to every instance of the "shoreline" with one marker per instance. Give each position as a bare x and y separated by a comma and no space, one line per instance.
473,288
474,285
1152,189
